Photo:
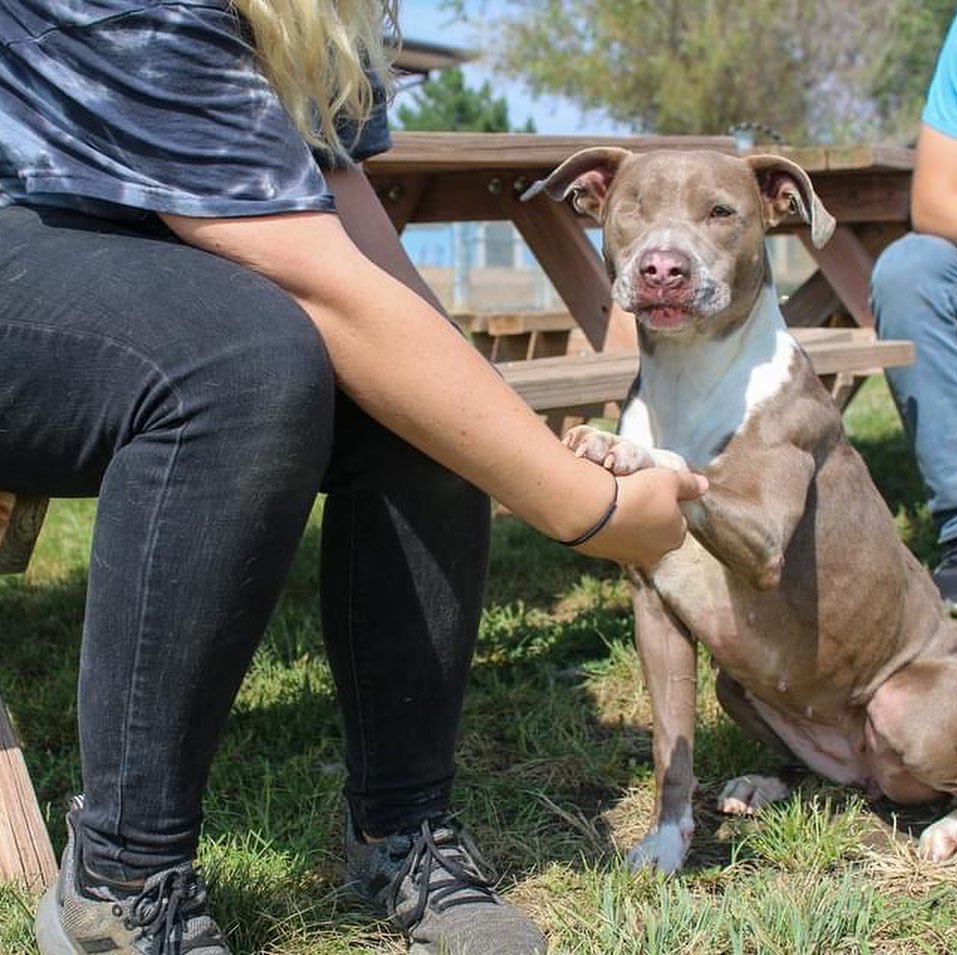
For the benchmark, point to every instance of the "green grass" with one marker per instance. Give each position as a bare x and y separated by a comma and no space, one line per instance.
554,780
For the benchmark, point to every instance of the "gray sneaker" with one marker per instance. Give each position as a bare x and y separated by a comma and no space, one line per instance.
428,884
167,916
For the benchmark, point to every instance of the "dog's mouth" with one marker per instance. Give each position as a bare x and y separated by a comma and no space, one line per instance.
664,317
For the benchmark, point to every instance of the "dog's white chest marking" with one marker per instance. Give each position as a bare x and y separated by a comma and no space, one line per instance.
695,393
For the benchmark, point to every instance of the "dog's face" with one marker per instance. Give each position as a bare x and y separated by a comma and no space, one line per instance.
683,231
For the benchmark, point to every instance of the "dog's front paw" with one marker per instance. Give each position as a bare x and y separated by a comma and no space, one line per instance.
745,795
616,454
664,849
938,842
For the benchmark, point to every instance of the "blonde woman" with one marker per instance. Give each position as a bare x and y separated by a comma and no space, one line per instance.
206,318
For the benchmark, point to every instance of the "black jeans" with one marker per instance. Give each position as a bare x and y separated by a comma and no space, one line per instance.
197,401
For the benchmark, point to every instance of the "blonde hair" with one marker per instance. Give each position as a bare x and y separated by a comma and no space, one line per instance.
320,55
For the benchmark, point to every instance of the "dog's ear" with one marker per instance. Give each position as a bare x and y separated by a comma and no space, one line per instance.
786,189
586,177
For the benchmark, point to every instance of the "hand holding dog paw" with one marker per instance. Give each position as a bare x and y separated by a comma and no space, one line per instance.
648,521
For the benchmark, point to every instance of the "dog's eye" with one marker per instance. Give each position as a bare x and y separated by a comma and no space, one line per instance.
720,211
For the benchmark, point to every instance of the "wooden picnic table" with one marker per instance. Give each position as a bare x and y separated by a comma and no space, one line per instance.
458,177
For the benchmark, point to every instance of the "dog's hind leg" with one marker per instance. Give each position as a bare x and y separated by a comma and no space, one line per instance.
668,659
911,735
745,795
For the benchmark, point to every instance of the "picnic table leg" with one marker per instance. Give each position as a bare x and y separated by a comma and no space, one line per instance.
847,265
26,856
21,517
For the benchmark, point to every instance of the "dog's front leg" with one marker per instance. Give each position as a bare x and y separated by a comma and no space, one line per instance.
751,509
669,667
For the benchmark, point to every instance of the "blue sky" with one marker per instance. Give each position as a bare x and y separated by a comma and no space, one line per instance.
426,20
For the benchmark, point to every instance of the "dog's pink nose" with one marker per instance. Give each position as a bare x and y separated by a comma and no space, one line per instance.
665,268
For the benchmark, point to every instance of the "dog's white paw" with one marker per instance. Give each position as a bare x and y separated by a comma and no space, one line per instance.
665,848
745,795
938,842
612,452
668,459
618,454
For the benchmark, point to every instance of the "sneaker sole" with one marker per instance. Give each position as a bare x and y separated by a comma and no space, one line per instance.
51,939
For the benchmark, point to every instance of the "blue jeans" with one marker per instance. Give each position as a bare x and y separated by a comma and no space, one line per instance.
197,401
914,296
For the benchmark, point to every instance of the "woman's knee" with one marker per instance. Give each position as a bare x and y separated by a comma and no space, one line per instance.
281,370
277,409
241,354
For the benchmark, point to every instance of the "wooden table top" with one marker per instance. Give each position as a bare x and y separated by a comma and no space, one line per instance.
457,152
855,158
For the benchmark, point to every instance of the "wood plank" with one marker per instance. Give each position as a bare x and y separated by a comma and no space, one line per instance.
570,260
860,198
859,183
572,380
21,518
548,344
865,196
467,195
812,304
859,357
847,266
809,337
515,322
436,152
401,198
440,151
462,196
856,156
26,855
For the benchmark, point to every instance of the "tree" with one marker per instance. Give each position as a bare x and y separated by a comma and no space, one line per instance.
446,103
902,74
803,67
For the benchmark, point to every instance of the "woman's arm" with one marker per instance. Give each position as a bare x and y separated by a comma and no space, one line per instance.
406,366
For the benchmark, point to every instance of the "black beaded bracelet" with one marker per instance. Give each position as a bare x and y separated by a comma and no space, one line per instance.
602,521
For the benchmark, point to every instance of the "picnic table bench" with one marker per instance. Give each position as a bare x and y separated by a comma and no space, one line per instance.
532,351
567,383
447,177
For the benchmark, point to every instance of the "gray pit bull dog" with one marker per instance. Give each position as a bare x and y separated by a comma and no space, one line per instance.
829,636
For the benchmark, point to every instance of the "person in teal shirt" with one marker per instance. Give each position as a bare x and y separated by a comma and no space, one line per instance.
914,297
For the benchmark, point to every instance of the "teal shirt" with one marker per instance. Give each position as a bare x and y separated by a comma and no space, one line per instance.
940,109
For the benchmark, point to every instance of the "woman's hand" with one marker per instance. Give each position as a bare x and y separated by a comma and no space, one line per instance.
647,523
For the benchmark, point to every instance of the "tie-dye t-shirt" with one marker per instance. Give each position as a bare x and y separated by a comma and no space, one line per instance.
123,108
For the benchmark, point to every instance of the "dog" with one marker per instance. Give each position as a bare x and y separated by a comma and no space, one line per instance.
829,637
